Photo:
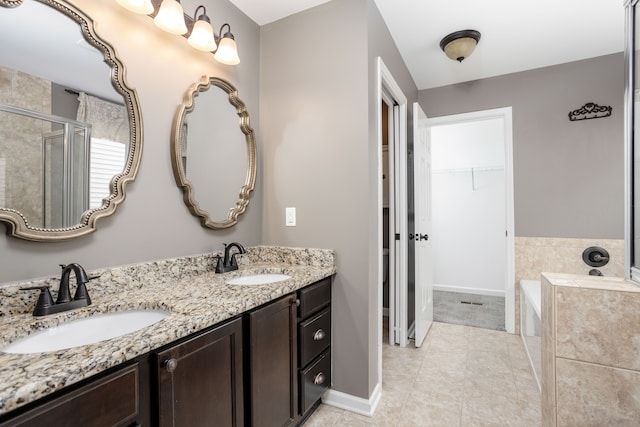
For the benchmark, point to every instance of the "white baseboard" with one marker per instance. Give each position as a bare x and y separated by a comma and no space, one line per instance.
352,403
463,290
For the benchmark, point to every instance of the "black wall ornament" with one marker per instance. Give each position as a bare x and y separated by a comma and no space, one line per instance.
590,110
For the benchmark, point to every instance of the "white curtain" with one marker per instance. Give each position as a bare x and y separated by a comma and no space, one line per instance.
108,119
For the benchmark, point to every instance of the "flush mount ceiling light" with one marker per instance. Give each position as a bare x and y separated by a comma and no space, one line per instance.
170,17
460,45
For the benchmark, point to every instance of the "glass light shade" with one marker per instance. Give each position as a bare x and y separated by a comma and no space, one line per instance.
227,52
170,17
201,37
460,49
144,7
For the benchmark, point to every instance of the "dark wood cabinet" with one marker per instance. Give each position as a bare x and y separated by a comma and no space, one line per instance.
272,364
314,334
267,368
111,400
200,381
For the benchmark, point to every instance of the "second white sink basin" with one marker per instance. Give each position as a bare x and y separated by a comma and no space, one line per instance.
258,279
85,331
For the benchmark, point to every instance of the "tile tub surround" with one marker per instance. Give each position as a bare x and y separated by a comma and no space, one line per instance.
534,255
188,287
590,345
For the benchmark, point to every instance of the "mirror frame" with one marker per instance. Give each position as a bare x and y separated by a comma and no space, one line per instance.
17,224
176,153
632,271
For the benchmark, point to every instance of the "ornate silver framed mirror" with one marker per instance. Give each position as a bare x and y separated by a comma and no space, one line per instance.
213,152
70,125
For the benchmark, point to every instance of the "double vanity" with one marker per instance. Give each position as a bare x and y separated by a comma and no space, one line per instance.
247,347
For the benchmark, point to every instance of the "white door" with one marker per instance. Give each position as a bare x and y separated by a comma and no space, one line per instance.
422,237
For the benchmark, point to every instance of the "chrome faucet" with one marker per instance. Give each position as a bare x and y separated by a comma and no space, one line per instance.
229,263
45,304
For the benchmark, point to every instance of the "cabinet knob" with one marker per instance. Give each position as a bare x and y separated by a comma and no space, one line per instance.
319,378
171,365
319,335
297,302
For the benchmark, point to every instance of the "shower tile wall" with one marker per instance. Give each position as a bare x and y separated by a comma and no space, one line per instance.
21,143
534,255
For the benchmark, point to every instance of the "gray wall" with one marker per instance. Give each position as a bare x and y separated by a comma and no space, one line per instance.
318,135
153,222
568,176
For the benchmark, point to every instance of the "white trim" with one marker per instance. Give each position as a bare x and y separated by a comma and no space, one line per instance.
352,403
505,114
463,290
386,83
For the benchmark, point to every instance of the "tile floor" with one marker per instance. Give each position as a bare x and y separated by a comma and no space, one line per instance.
461,376
482,311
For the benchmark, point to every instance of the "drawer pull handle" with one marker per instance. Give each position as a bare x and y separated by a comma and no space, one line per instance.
171,365
319,335
319,378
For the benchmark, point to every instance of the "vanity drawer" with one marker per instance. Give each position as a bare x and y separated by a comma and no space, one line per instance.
314,297
315,336
314,381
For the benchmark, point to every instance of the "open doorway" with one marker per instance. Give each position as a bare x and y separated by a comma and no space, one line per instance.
391,211
472,187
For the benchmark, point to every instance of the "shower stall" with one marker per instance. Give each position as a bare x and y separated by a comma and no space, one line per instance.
47,166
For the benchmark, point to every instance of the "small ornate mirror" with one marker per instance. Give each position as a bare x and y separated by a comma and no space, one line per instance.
70,126
213,152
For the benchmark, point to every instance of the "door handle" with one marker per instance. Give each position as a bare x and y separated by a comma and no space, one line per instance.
418,237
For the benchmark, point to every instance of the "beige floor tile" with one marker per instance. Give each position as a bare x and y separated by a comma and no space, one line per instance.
461,376
324,416
419,412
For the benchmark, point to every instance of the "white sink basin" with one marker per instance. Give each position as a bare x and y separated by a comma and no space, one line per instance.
90,330
258,279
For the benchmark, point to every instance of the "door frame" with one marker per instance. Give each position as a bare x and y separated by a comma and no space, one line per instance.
387,86
505,114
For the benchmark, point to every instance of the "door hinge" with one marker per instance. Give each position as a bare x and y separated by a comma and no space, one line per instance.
397,236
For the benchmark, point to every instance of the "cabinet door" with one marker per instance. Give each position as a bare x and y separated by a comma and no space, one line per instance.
272,363
111,400
200,380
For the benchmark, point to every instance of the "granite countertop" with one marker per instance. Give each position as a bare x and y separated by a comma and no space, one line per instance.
196,301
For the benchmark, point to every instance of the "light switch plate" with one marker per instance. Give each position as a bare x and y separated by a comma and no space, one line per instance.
290,217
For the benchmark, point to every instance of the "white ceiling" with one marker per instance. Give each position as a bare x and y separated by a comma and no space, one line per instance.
517,35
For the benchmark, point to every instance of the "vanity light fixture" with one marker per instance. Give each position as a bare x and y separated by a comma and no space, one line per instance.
227,52
170,17
144,7
202,37
199,33
460,45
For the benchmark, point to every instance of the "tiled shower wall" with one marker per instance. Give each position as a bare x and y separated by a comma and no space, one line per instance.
21,141
534,255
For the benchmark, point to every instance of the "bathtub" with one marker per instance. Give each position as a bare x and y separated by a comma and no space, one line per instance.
530,324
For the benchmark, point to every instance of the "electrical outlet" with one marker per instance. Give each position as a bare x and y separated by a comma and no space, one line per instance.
290,217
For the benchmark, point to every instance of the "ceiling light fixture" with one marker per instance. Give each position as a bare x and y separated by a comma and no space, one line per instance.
460,45
170,17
